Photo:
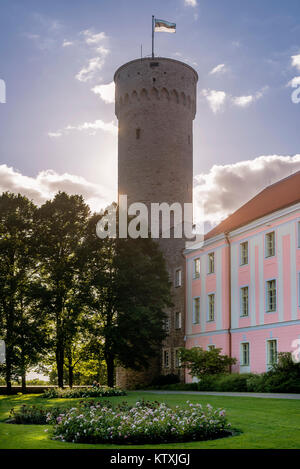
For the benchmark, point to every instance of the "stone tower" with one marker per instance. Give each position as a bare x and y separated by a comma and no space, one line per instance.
155,107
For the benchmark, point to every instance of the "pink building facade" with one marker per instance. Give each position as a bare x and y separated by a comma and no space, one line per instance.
243,287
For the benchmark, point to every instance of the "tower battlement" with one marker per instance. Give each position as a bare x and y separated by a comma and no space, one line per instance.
160,79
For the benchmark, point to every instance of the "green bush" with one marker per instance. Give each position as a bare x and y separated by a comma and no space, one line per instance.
35,415
141,424
68,393
161,380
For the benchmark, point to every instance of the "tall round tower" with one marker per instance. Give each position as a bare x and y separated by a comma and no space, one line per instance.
155,107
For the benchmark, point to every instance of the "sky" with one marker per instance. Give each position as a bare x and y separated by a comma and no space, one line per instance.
58,127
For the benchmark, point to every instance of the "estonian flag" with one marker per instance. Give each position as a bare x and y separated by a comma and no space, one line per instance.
162,26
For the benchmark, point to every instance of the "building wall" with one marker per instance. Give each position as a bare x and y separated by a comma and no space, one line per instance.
259,325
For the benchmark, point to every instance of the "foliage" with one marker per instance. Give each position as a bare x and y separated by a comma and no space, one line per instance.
142,424
200,362
161,380
32,414
22,324
284,376
103,391
127,292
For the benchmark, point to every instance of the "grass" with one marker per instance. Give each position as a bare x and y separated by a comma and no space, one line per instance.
264,423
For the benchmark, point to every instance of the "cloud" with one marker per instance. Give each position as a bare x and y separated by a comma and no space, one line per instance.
216,99
91,127
89,71
54,134
244,101
295,82
93,39
95,64
296,61
67,43
191,3
106,92
47,183
226,187
218,69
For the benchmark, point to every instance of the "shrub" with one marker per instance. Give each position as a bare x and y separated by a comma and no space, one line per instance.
141,424
76,393
165,379
205,362
35,415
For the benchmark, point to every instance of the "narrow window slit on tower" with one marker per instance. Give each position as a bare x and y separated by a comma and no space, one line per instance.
137,133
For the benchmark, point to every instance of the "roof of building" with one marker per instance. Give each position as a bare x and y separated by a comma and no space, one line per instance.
282,194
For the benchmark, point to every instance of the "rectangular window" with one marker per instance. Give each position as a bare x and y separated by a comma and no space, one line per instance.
177,362
244,253
167,325
196,311
245,301
298,234
271,296
196,268
166,358
245,355
178,278
177,320
270,244
272,352
211,262
211,307
210,347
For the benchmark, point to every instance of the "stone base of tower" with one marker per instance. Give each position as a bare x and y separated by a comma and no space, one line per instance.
127,378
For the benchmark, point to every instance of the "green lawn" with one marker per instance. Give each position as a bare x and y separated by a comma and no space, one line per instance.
265,423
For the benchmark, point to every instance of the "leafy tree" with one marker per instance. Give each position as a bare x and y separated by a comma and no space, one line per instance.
200,362
128,290
61,227
17,260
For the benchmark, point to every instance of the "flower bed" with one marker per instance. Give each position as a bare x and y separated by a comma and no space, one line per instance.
103,391
141,424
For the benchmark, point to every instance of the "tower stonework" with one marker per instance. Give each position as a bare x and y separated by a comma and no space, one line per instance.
155,104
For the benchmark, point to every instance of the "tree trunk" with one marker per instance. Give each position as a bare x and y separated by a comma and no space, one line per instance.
71,375
110,370
8,373
60,366
23,381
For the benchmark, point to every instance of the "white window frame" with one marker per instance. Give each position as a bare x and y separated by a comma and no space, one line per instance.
269,364
178,277
211,347
268,310
211,295
196,272
194,310
166,353
167,324
267,255
244,243
178,320
242,315
177,361
211,265
242,356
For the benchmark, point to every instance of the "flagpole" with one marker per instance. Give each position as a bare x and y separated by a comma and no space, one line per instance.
152,36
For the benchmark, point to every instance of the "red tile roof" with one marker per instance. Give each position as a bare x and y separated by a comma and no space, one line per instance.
282,194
